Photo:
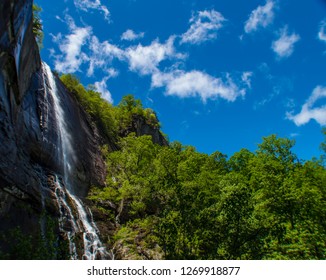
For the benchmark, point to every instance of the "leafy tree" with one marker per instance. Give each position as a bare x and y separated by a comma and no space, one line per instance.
37,25
262,205
239,162
101,111
130,104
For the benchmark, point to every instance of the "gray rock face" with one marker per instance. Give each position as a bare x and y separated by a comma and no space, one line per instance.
29,129
140,127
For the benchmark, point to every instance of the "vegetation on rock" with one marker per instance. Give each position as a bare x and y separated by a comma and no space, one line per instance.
37,25
262,205
111,120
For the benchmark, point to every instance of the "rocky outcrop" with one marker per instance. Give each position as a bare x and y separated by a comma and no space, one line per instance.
29,137
140,126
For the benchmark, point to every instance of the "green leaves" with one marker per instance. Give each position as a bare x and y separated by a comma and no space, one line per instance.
101,111
111,121
263,205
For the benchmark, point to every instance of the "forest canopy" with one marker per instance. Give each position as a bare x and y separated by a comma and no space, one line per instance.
261,205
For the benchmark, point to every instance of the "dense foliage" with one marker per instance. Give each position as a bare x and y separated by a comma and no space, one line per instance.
177,203
110,120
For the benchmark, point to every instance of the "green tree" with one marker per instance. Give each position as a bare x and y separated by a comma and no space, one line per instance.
239,161
263,205
100,110
37,25
130,104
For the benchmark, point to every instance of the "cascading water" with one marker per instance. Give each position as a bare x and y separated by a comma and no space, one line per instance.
67,221
74,219
92,244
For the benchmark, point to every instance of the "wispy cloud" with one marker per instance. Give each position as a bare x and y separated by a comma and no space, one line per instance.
284,45
86,5
204,27
289,103
196,83
262,16
266,100
294,135
146,59
265,70
246,78
73,48
70,45
308,111
102,54
322,31
130,35
276,87
101,87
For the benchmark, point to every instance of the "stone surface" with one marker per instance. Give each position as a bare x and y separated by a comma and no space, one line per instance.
141,127
29,130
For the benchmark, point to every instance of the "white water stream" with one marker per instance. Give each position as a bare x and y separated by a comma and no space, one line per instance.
74,218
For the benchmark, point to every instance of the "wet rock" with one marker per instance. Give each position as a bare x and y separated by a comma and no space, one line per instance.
29,136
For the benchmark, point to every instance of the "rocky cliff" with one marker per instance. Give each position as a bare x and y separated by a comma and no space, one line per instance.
140,126
30,136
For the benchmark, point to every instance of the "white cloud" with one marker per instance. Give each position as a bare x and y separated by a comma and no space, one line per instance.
289,103
86,5
308,111
266,100
146,59
130,35
112,73
265,70
262,16
204,27
70,45
322,31
102,54
141,59
103,89
294,134
246,78
59,18
196,83
284,45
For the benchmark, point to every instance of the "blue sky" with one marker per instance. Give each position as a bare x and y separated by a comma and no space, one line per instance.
220,74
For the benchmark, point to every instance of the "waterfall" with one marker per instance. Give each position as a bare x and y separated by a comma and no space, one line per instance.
74,218
67,221
64,147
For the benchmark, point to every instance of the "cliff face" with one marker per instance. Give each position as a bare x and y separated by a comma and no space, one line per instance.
18,186
140,127
30,135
